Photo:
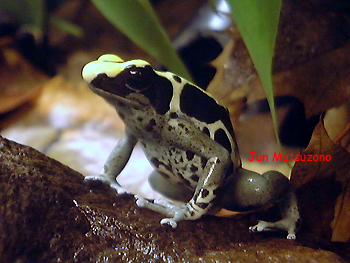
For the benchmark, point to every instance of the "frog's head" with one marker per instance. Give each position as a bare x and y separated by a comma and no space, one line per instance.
134,83
113,79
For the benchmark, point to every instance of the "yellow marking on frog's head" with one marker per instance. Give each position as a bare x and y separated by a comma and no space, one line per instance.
109,64
110,58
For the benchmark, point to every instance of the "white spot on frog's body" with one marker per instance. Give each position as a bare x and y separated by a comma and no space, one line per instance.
177,87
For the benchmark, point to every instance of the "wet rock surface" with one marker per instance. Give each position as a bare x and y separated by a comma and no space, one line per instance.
48,214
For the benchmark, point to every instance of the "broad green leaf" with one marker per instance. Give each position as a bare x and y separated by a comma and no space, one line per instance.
137,20
257,21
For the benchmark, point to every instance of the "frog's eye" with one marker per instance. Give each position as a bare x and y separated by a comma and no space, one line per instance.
140,78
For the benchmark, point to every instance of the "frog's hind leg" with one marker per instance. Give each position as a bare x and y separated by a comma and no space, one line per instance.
248,190
290,217
169,189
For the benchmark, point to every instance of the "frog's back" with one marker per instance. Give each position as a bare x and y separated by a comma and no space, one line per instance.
203,111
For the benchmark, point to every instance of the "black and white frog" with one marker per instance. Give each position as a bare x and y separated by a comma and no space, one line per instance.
188,138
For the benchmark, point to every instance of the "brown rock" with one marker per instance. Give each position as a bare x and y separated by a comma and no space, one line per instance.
48,214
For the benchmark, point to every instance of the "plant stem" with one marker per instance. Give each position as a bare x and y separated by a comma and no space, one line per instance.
342,134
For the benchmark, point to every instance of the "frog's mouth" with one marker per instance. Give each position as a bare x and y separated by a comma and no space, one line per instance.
112,98
109,85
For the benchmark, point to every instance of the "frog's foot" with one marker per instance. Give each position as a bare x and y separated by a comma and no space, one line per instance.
106,180
286,224
175,213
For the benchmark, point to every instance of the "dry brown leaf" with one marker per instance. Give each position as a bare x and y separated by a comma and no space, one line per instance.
19,80
323,188
320,84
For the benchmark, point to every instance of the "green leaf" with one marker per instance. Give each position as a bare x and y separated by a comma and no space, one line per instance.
137,20
66,26
257,21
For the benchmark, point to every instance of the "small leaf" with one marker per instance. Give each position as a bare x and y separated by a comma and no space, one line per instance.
66,26
138,21
257,21
323,188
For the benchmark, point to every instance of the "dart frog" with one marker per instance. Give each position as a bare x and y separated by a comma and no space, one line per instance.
188,138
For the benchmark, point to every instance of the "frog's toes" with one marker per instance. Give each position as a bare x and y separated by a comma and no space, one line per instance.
120,190
291,236
260,227
177,212
168,221
106,180
284,225
163,202
100,178
140,202
174,212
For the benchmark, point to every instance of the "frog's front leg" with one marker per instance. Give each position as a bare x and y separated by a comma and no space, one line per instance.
116,162
248,190
217,158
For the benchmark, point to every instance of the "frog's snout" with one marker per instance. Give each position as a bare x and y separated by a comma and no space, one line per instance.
108,64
